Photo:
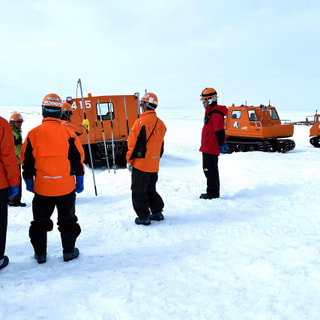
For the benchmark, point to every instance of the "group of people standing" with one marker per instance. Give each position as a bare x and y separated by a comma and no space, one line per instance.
52,156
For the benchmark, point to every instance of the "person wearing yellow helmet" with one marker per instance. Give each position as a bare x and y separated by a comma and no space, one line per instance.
16,121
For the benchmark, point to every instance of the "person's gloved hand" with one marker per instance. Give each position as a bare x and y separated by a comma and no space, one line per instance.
129,166
79,184
29,185
13,191
86,124
224,148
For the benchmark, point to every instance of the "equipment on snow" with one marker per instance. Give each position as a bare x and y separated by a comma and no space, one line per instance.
104,138
111,109
112,141
250,128
89,148
315,131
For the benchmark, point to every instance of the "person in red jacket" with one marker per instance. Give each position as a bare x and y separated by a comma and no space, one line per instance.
145,147
212,141
52,162
9,182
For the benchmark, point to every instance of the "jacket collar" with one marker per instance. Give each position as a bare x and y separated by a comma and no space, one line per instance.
48,119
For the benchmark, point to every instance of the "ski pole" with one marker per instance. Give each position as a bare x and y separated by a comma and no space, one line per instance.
89,147
111,123
125,109
104,139
138,99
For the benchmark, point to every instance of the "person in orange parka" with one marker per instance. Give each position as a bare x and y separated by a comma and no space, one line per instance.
52,162
9,182
145,147
66,115
212,141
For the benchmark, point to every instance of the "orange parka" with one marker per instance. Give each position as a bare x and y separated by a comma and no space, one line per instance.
53,154
155,131
9,169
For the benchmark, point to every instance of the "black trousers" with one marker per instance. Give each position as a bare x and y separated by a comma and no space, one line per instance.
3,220
144,195
211,171
43,208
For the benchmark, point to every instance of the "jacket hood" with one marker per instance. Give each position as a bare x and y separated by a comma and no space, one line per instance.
218,107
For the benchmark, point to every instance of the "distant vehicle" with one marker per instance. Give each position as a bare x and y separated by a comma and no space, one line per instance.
315,131
252,128
110,119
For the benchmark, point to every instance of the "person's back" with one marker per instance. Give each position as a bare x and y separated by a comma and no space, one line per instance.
145,147
155,131
50,143
52,161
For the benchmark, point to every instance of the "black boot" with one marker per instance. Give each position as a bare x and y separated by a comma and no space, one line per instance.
41,258
72,255
4,262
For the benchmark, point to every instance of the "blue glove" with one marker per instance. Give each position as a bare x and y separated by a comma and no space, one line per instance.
224,148
29,185
79,184
13,191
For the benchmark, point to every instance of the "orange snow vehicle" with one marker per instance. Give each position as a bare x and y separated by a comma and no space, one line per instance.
110,119
315,131
251,128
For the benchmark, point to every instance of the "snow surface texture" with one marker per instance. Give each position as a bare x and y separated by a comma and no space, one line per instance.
252,254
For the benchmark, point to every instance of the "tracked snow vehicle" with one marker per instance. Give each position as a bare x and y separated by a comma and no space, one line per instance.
110,119
315,132
252,128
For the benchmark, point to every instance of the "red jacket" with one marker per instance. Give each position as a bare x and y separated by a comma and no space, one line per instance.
9,169
54,155
150,163
209,141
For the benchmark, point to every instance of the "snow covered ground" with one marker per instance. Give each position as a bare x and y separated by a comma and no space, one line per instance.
252,254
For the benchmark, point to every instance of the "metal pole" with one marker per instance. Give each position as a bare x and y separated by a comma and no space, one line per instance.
111,123
104,139
125,109
89,147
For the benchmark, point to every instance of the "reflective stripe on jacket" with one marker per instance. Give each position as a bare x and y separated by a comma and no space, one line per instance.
150,163
52,154
9,169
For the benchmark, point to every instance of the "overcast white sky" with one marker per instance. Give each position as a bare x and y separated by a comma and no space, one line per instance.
247,50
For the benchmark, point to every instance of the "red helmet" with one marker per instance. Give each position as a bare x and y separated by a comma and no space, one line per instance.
52,106
150,100
16,117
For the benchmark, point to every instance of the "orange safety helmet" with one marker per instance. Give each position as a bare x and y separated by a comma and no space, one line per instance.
66,111
16,117
150,100
52,106
52,100
208,93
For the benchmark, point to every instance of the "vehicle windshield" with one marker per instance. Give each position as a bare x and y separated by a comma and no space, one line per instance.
273,114
252,115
